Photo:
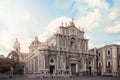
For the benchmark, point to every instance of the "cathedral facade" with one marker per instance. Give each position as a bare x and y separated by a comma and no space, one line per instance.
65,53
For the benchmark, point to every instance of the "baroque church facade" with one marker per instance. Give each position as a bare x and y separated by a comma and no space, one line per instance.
65,53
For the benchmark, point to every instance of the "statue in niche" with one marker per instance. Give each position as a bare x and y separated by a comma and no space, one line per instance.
73,43
64,62
73,46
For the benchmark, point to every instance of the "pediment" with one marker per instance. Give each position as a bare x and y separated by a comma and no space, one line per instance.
73,30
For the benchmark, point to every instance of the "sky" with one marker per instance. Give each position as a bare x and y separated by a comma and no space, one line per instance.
24,19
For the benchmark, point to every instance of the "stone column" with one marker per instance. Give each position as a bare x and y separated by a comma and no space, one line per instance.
64,62
30,66
93,67
38,63
114,61
58,60
104,62
56,65
77,67
43,63
67,43
61,61
27,66
33,65
57,41
84,63
43,57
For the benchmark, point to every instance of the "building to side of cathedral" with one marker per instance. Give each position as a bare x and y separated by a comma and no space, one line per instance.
65,53
108,59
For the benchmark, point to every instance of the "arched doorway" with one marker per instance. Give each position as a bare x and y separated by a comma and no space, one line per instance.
51,65
51,68
90,70
73,69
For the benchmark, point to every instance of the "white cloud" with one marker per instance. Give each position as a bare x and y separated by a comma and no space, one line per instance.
56,23
112,19
15,21
65,4
90,41
25,43
112,29
84,6
28,18
114,14
53,26
89,21
117,42
97,3
5,43
91,45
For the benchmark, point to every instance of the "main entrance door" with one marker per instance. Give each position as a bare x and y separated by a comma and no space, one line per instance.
89,70
73,69
51,68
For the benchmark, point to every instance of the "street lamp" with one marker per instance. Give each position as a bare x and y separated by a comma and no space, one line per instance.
11,68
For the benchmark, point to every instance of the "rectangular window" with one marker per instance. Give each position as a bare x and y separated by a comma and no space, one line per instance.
119,63
89,62
108,53
108,64
99,65
99,54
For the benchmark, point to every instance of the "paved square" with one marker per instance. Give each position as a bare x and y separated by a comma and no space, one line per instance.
75,78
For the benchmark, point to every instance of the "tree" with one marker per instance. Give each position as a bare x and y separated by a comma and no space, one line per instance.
5,65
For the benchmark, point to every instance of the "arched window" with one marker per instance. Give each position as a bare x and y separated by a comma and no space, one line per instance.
108,63
108,53
99,65
51,60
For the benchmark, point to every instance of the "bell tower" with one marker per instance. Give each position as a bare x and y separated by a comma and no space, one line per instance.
17,46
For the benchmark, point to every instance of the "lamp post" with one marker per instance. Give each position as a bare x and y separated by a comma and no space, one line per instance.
11,68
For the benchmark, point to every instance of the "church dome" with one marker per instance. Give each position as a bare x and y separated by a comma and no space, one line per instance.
34,44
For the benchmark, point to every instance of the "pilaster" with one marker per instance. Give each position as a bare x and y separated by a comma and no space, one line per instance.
104,63
114,60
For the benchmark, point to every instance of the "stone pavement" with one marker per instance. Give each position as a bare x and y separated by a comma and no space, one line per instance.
75,78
